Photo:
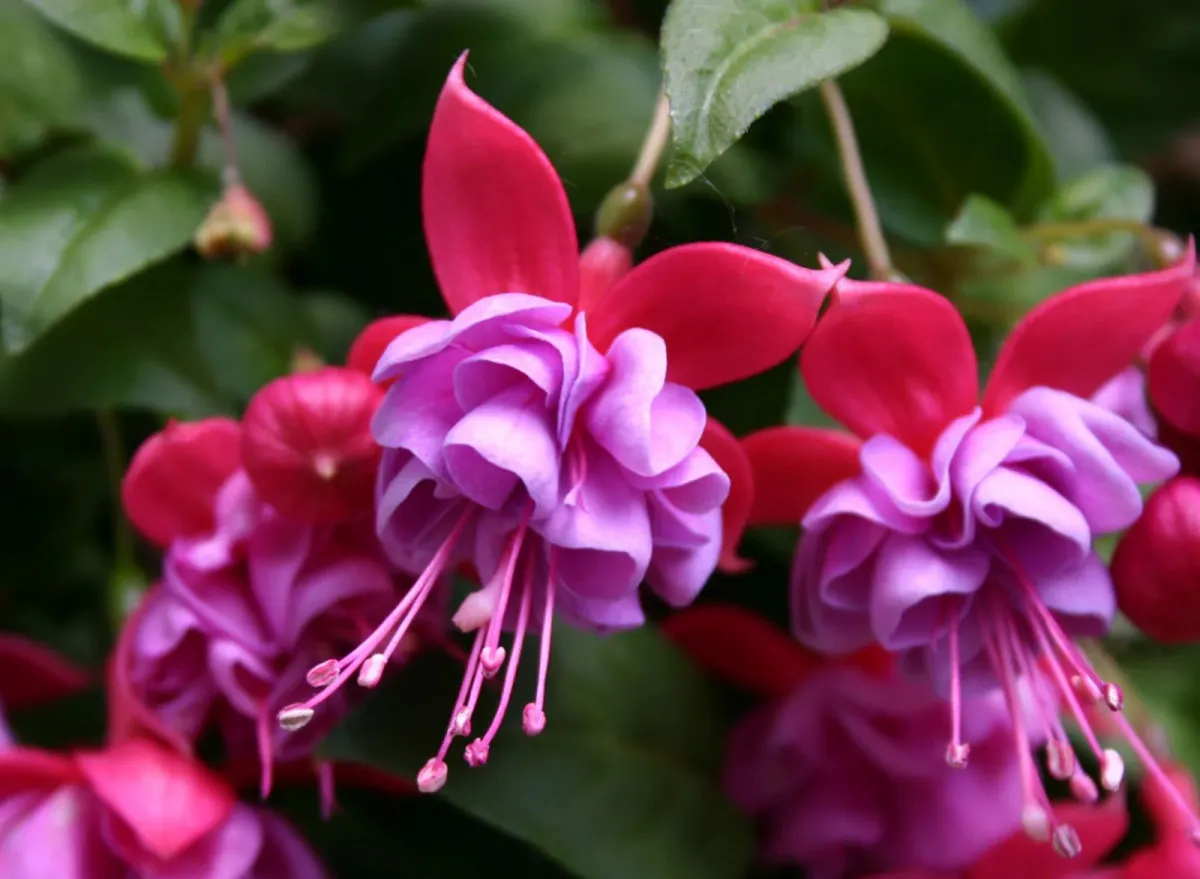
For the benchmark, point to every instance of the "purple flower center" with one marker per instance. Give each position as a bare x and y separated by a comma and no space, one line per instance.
563,476
977,567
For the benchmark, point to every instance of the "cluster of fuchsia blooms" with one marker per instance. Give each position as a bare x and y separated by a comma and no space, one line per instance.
547,443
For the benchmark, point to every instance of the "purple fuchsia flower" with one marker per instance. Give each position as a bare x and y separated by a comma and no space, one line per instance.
550,434
843,765
957,531
251,595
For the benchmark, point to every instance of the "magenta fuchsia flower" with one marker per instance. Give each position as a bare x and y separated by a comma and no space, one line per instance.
245,607
549,434
137,810
956,528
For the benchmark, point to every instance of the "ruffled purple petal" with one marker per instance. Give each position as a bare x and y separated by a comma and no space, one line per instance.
1125,395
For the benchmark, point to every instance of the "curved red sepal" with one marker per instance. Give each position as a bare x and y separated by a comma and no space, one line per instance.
167,800
496,216
740,648
894,359
33,674
29,769
171,485
735,512
793,466
726,312
1078,339
1173,378
376,336
1100,828
128,716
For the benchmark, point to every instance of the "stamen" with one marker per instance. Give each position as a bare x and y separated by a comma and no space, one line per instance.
295,716
371,671
1067,691
1060,759
490,661
1083,788
958,752
432,776
534,715
1112,770
323,673
1152,766
266,752
1066,841
478,749
1035,822
1114,698
492,656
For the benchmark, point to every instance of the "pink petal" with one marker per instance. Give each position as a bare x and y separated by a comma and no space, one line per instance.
741,648
168,801
1080,338
793,466
374,339
171,485
33,673
735,512
496,216
894,359
726,312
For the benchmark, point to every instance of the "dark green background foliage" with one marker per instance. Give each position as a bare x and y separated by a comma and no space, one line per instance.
999,137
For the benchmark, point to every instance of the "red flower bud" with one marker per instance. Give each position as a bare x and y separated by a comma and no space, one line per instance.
307,445
1156,565
171,484
236,225
373,341
1173,379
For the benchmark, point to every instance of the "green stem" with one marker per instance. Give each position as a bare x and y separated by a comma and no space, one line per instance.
189,123
870,231
1088,227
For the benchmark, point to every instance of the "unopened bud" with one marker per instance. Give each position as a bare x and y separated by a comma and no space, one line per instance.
625,214
294,717
533,720
372,671
323,674
432,776
1112,770
237,225
1066,841
957,754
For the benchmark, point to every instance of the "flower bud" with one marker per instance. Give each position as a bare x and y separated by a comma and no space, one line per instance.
625,214
307,444
1173,378
237,225
171,485
1156,565
373,341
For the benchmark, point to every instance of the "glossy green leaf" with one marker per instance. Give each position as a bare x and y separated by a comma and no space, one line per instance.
728,62
983,223
951,27
39,75
126,27
80,222
1075,136
274,25
187,340
623,780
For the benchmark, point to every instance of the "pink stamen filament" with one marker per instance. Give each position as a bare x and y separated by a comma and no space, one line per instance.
539,702
468,678
510,675
412,600
496,624
266,751
1150,764
956,742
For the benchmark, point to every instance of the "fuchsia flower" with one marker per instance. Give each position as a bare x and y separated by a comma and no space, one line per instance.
956,528
246,606
550,434
844,768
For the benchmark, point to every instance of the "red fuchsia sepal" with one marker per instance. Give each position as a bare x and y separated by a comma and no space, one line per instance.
31,674
735,512
307,445
370,344
172,481
1173,379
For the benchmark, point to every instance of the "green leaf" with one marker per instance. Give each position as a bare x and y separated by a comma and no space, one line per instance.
622,782
39,75
952,28
80,222
273,25
125,27
185,340
728,62
1076,138
983,223
1117,192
